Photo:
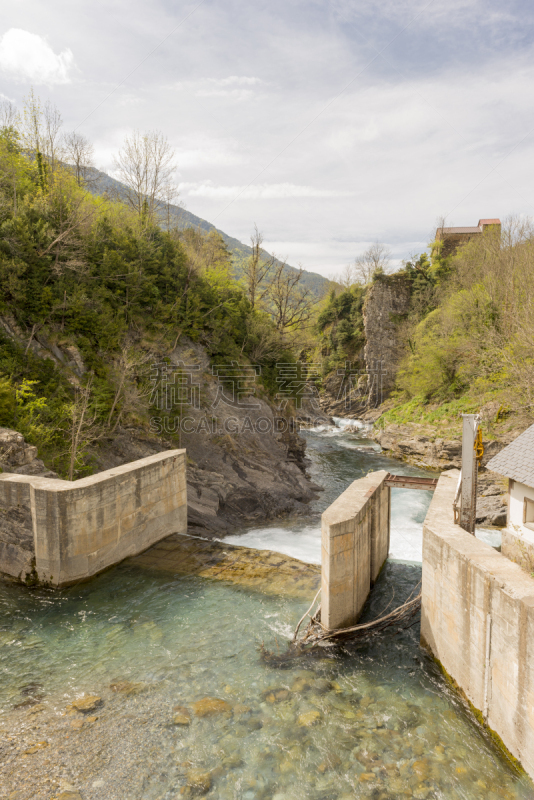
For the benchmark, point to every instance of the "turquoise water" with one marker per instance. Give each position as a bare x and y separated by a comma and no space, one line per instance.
374,720
380,710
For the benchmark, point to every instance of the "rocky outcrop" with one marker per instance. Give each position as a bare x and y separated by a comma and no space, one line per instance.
262,570
411,443
386,302
245,461
358,392
16,530
408,443
66,356
19,457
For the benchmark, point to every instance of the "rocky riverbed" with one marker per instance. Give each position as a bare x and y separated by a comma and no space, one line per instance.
201,713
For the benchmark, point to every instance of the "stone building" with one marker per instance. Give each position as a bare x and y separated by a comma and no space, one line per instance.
453,238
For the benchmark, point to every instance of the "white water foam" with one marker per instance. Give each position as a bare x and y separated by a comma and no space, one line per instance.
304,544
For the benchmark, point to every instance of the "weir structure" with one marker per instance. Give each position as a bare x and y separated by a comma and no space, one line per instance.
77,529
355,543
477,606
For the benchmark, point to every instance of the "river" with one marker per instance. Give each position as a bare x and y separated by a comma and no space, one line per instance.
371,720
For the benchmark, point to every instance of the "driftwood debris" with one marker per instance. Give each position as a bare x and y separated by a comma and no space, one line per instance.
315,632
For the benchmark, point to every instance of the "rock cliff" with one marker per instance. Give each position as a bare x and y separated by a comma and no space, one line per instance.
246,462
386,302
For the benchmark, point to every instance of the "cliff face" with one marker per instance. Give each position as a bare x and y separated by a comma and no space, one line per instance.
386,301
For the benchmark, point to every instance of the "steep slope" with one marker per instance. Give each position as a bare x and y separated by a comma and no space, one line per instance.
101,182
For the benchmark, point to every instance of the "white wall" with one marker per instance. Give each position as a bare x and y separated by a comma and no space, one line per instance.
518,492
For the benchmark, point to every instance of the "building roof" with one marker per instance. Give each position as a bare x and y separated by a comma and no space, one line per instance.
488,222
517,460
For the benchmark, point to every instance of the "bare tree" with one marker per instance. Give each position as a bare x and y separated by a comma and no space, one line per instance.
375,260
292,303
8,115
79,153
40,131
257,270
9,124
83,427
130,377
347,277
145,164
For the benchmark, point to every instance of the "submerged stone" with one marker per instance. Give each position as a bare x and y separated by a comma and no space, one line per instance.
309,718
126,687
86,704
210,706
263,570
275,695
182,716
198,783
35,747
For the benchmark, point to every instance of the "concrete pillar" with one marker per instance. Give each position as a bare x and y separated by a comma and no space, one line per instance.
355,545
469,473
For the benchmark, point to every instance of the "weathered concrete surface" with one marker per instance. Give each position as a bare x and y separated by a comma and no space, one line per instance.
478,620
80,528
355,545
263,570
518,546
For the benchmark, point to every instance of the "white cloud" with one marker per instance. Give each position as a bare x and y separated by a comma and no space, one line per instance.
28,56
260,191
236,80
233,87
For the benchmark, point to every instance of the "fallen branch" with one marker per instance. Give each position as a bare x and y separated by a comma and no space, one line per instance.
316,632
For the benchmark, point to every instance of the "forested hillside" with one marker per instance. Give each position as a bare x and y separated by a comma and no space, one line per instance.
469,335
174,216
92,293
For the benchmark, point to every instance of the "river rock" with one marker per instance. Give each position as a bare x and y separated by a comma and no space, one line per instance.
86,704
35,747
182,716
198,783
126,687
68,796
211,706
309,718
275,695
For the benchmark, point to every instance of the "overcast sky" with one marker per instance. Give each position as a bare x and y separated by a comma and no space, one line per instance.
330,125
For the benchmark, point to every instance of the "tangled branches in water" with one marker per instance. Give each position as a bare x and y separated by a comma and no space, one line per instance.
316,634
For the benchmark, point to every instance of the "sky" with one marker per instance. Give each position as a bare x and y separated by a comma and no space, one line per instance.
329,125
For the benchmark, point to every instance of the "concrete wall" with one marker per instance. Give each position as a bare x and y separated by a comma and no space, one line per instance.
355,545
84,526
478,620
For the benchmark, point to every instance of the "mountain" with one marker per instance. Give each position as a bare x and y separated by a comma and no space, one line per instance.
100,183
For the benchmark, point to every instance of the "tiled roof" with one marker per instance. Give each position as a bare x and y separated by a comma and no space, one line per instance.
488,222
517,460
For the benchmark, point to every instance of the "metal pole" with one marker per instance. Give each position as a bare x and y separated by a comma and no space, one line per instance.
469,473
